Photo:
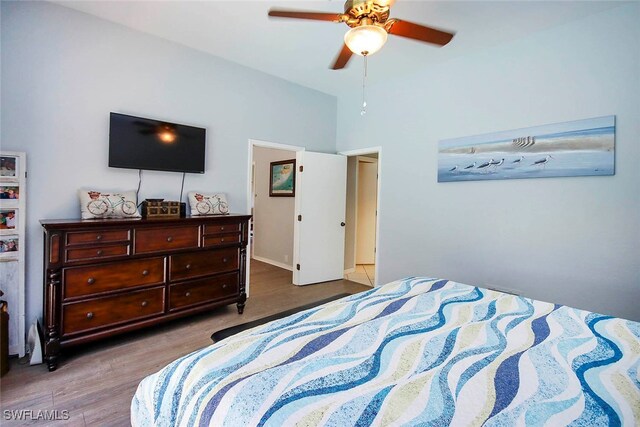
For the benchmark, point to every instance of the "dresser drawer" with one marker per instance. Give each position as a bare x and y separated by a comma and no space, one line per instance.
80,281
95,253
97,237
201,291
197,264
221,239
221,228
166,239
107,311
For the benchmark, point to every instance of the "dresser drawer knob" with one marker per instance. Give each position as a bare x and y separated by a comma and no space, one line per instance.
99,237
224,286
169,239
221,228
90,315
145,272
91,280
222,239
225,260
99,252
188,266
145,303
187,294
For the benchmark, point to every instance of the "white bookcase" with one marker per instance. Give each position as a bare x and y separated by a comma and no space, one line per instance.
13,174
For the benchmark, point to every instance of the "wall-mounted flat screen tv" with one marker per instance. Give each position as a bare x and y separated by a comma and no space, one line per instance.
139,143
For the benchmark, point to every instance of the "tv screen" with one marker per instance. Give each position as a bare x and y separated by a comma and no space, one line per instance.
138,143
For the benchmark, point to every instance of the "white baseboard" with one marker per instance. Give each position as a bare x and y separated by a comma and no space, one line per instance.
272,262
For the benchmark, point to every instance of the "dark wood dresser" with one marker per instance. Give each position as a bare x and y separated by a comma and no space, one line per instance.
104,277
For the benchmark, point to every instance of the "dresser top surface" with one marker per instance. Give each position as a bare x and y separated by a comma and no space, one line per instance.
113,222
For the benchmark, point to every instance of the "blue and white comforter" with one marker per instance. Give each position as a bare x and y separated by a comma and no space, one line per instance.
416,351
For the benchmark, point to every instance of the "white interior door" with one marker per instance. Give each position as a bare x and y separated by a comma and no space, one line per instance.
318,248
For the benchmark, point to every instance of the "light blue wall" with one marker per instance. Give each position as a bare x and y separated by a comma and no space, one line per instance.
64,71
574,241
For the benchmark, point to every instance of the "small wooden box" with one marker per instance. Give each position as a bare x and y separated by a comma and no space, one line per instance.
160,209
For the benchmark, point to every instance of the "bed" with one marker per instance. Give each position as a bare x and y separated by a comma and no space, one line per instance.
418,351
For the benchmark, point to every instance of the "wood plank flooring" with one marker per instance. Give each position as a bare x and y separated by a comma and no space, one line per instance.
96,382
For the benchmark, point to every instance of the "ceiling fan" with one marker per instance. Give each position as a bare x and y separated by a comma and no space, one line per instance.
370,23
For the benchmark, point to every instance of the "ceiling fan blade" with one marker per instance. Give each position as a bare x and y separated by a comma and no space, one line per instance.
342,58
316,16
418,32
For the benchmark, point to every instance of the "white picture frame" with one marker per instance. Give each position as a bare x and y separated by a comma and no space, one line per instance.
9,246
9,168
9,220
10,193
13,188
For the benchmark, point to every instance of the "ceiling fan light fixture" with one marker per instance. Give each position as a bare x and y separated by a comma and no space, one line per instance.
366,39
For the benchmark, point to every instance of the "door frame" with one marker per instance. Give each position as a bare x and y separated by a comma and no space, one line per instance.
251,145
361,152
363,159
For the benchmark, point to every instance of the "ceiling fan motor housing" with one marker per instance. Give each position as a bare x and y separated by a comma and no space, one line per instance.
372,11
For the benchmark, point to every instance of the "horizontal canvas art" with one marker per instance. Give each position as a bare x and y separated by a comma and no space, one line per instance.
577,148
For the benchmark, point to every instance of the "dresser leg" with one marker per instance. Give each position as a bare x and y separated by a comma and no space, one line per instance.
241,301
51,348
51,352
52,362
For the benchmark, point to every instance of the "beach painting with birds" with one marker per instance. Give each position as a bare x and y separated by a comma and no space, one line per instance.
576,148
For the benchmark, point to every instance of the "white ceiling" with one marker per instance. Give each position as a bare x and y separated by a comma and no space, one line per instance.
301,51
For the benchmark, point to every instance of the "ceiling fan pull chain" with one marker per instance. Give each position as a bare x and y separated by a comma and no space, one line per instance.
364,81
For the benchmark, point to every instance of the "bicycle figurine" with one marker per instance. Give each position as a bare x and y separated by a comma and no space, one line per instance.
101,203
206,205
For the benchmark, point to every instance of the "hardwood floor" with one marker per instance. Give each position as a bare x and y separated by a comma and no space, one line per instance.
95,383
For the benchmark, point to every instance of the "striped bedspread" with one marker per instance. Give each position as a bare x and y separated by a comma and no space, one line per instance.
413,352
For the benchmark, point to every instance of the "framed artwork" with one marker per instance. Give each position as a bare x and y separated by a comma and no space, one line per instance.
9,166
282,180
9,245
9,192
577,148
8,220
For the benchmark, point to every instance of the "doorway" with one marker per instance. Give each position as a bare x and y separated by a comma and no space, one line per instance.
361,234
271,225
319,238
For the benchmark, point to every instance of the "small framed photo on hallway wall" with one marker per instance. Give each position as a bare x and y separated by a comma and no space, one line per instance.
282,180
